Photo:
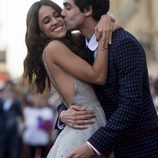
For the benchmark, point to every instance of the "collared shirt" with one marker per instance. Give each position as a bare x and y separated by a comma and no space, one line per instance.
92,44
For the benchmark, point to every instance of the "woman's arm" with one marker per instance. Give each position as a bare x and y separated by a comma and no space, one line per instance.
60,55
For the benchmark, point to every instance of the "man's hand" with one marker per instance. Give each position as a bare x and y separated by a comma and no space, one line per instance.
83,151
104,29
77,117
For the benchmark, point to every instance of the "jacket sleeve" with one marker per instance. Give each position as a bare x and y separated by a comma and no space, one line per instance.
130,63
58,124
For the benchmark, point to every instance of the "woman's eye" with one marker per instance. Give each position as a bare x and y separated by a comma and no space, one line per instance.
46,21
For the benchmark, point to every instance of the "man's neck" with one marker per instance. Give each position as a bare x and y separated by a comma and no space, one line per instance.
88,28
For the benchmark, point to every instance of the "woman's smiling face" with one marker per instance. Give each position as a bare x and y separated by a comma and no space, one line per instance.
51,23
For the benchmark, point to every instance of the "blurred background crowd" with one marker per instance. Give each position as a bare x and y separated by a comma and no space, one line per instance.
27,118
26,122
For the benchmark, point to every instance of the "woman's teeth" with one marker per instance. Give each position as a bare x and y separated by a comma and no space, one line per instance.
57,29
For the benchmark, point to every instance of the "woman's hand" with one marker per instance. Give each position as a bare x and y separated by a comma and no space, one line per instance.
104,29
77,117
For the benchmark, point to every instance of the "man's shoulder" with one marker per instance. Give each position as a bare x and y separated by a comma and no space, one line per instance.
122,35
123,41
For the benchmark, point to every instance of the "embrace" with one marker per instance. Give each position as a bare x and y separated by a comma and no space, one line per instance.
107,108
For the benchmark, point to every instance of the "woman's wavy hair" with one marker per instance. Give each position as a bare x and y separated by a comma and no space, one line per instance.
34,70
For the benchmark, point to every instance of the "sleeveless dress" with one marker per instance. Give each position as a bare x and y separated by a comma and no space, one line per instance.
69,138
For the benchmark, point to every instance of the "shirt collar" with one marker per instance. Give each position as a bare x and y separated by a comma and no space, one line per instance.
92,44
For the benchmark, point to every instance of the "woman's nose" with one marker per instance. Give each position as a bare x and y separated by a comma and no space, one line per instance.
54,21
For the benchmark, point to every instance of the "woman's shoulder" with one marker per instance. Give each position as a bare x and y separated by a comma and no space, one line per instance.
55,49
55,45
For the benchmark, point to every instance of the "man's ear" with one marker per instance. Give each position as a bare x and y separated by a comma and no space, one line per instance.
88,12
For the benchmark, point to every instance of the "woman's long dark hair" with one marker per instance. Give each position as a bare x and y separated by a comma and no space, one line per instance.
34,70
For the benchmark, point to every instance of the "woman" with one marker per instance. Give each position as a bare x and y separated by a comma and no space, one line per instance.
51,58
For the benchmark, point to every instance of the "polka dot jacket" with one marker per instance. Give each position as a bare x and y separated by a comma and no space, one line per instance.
132,124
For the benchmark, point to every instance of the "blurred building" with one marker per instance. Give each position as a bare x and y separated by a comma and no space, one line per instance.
140,18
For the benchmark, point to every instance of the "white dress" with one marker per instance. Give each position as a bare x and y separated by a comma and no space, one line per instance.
71,138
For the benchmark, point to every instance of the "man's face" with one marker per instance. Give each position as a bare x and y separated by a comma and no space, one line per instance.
73,17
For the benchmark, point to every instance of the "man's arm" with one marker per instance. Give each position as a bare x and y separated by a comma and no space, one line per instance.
75,117
59,124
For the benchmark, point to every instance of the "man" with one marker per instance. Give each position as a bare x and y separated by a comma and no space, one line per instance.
132,124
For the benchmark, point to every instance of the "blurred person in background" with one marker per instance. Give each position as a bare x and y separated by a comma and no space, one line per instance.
153,82
152,87
38,126
10,114
155,97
